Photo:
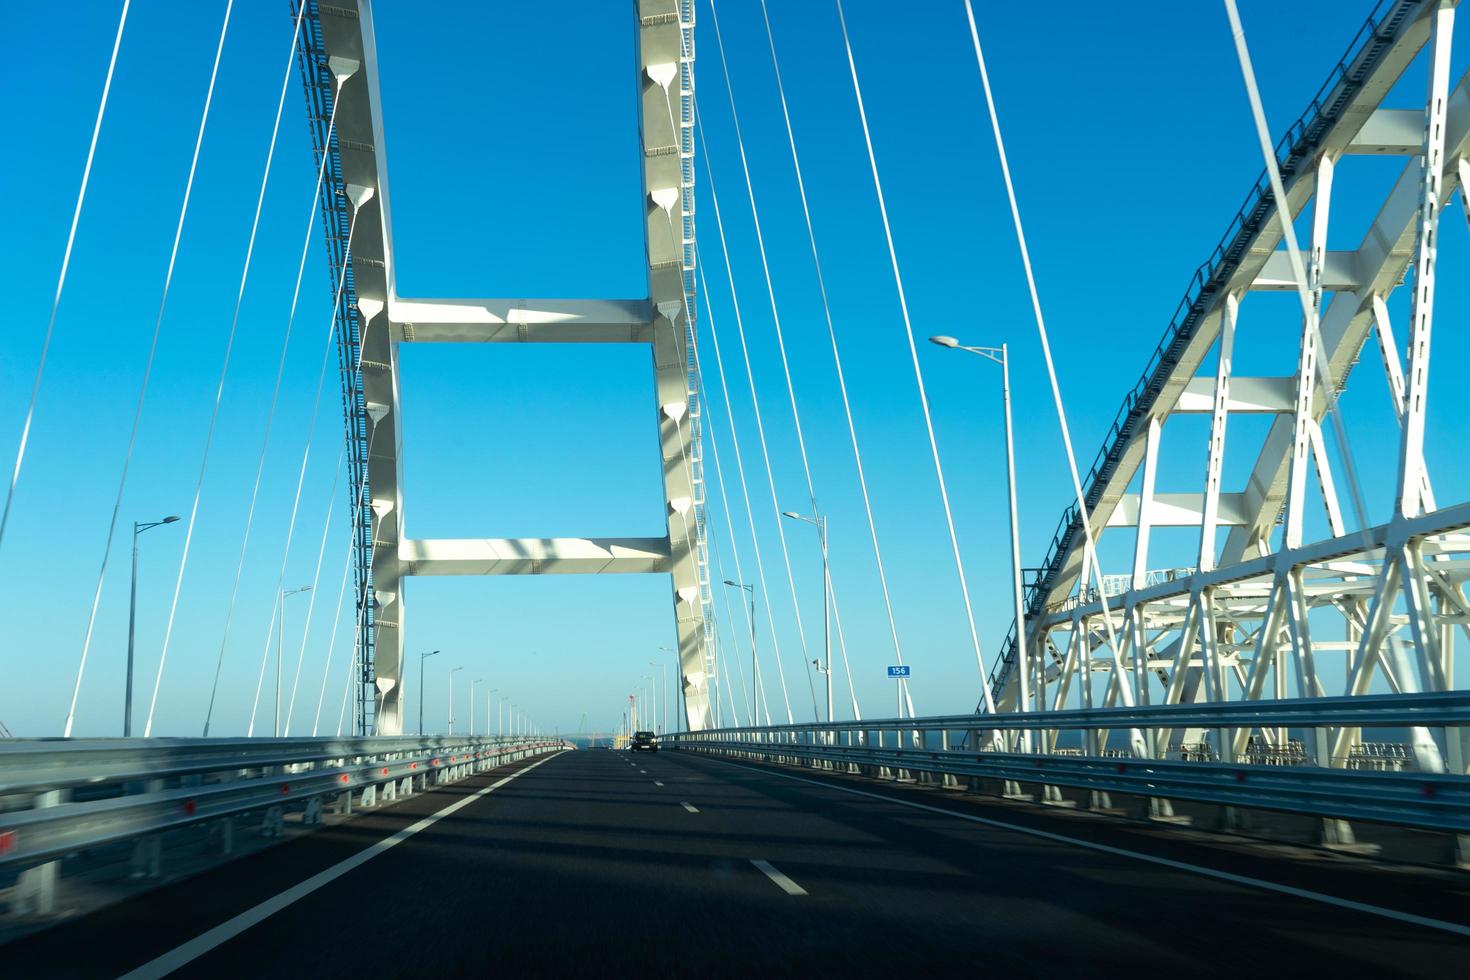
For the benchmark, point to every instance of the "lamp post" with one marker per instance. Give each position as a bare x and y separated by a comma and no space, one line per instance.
755,667
422,658
1001,355
477,680
280,642
138,528
819,521
451,698
487,708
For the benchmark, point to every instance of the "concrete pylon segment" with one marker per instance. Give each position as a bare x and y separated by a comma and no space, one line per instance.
663,61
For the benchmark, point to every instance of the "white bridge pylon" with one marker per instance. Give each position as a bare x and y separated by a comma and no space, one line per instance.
663,61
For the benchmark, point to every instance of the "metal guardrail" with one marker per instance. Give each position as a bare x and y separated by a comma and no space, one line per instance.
143,787
1385,794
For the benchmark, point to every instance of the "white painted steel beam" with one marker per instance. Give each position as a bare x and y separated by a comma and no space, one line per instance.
535,556
556,321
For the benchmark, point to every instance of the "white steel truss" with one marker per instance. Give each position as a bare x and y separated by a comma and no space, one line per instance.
1267,613
662,320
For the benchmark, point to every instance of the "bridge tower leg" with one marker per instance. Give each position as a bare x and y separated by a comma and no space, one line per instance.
376,321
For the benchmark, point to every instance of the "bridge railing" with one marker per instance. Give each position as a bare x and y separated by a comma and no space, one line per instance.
1283,766
66,796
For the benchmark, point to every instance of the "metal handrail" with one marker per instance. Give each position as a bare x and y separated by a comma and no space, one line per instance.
250,775
1430,710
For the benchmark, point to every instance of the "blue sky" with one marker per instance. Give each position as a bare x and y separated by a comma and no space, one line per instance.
512,154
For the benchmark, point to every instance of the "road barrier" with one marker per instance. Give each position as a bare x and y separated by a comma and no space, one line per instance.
1426,788
63,796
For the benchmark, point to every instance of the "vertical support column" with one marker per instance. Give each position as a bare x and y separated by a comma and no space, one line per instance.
664,61
1210,518
1306,373
1426,247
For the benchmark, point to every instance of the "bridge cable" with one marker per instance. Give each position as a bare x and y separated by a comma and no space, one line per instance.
327,349
1125,691
71,237
1309,302
271,412
836,356
224,367
918,371
730,622
831,591
745,492
761,434
757,689
336,622
735,549
315,580
152,351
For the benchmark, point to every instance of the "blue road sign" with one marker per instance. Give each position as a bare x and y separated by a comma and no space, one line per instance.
898,670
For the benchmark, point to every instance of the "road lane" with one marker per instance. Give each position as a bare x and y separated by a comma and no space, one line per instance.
584,866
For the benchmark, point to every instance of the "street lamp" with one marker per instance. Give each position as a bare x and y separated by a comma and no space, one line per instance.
487,708
1001,355
280,642
820,523
755,668
422,658
451,698
138,528
477,680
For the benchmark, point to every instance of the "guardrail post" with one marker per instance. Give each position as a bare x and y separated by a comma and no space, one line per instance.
313,814
35,891
272,822
147,860
369,796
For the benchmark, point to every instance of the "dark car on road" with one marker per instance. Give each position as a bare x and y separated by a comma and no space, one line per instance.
644,741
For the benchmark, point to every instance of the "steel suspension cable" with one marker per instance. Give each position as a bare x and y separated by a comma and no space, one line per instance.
780,344
729,529
224,370
71,237
147,374
321,553
271,412
760,428
745,494
918,371
306,449
336,622
730,621
1125,690
857,455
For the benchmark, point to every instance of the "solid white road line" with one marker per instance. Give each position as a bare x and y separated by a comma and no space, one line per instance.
1235,879
225,931
787,885
691,809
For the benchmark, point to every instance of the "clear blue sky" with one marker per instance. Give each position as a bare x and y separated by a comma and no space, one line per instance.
512,154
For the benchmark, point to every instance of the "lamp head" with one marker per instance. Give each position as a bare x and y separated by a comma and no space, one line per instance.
169,519
944,341
791,514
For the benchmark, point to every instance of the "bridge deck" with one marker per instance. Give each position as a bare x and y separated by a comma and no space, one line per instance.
586,865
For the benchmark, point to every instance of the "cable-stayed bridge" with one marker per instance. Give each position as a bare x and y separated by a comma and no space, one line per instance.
1229,687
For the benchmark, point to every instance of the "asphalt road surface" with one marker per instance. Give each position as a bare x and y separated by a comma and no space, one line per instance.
607,864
